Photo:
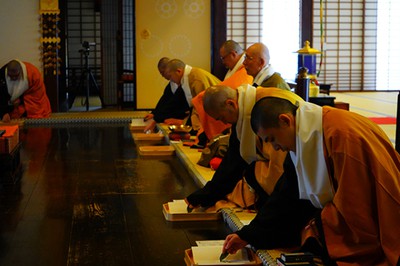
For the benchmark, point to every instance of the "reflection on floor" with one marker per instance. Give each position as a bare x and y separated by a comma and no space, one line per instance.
86,198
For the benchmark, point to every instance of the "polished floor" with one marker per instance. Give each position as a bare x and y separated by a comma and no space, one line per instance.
86,198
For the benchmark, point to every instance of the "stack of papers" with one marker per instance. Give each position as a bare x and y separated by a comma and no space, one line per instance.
176,210
209,252
177,206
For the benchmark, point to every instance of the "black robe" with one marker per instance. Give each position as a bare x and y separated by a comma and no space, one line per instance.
225,178
280,216
4,96
171,105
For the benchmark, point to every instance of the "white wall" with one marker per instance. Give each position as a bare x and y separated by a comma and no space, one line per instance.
19,31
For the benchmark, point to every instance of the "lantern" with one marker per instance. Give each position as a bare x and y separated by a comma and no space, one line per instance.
308,58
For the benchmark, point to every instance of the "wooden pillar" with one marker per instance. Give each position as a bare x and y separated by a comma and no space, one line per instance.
398,124
218,36
306,28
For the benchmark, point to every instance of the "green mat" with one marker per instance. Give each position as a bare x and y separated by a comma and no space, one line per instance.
87,117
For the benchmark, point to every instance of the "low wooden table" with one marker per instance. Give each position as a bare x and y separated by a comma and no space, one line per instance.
323,99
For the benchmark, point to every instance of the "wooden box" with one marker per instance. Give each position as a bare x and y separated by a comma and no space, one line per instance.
193,216
143,139
10,138
138,125
156,151
10,166
342,105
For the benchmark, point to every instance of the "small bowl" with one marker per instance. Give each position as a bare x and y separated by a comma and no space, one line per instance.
180,128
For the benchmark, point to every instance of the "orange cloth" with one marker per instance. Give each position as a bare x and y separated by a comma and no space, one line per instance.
362,223
209,125
36,103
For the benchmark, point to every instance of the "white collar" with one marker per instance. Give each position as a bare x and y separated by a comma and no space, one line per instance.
185,84
173,86
232,71
17,87
309,159
245,134
264,73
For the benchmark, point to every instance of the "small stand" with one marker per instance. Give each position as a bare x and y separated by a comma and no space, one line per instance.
87,78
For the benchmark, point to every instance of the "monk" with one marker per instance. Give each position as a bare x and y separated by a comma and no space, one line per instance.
348,168
193,81
22,92
171,105
251,163
257,64
232,56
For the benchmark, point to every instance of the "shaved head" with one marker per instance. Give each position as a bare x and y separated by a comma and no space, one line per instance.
14,70
162,63
175,70
259,50
175,64
232,46
257,57
215,97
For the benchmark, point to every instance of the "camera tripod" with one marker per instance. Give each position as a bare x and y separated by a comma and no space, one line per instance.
87,80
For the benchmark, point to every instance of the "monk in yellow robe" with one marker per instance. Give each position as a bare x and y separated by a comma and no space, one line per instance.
192,80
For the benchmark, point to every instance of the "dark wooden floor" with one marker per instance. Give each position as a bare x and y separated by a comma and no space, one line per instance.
85,198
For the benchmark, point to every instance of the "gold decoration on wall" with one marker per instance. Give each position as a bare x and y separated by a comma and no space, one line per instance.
50,42
49,6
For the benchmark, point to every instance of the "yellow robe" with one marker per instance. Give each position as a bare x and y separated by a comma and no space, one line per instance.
362,223
199,80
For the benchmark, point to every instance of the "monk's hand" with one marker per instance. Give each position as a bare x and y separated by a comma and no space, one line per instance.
148,117
189,207
6,118
150,126
233,243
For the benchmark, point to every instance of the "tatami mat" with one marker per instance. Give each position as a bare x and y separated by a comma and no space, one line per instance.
373,104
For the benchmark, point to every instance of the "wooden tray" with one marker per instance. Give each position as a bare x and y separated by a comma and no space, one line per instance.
254,259
136,128
150,136
156,150
194,216
143,139
138,125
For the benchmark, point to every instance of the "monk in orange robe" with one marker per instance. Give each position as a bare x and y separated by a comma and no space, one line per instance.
22,92
347,167
232,56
